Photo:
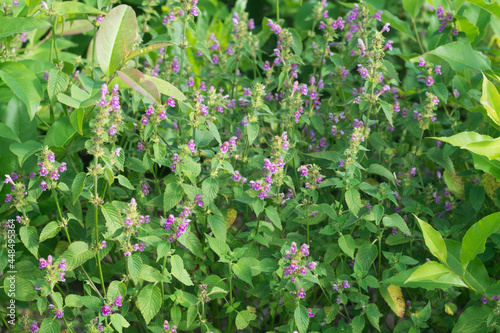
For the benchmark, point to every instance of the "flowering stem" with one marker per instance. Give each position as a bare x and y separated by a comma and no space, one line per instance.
418,37
60,214
182,46
341,200
96,160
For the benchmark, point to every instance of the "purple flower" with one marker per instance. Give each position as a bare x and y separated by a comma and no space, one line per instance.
484,299
62,265
341,163
59,313
429,81
117,151
61,275
34,327
43,185
145,189
448,206
413,172
388,45
456,93
62,167
421,63
386,27
301,293
118,300
166,326
175,65
304,249
303,170
43,263
335,287
310,312
346,284
8,198
192,146
438,69
215,59
105,310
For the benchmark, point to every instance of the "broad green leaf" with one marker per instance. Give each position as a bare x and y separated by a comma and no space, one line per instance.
134,265
475,238
373,314
173,194
473,319
25,291
137,81
119,322
192,243
166,88
437,155
243,271
16,25
77,254
149,302
477,276
301,318
461,55
218,226
115,38
179,271
273,215
387,111
29,237
243,319
7,133
442,282
73,301
365,257
492,7
353,200
50,325
358,324
488,148
151,274
215,132
23,83
60,133
381,171
145,50
431,270
76,118
462,139
252,132
484,164
412,7
490,99
112,216
464,25
123,181
433,240
396,221
209,189
73,7
57,83
297,42
77,187
49,231
219,247
347,245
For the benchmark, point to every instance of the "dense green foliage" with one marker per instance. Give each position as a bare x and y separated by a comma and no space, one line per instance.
270,166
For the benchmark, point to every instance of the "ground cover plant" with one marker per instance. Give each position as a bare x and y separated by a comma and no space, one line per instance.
261,166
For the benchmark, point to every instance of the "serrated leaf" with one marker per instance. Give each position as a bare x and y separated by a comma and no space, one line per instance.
381,171
353,200
77,187
179,271
125,182
209,189
243,271
218,246
218,226
252,132
215,132
301,318
49,231
112,216
149,302
347,245
273,215
172,196
29,237
50,325
243,319
57,83
396,221
134,263
119,322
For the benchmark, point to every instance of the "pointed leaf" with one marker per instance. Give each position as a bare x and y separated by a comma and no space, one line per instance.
179,271
433,240
475,238
29,237
149,302
137,81
16,25
301,318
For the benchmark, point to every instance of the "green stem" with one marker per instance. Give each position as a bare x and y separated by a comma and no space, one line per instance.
229,323
5,322
277,11
418,37
96,160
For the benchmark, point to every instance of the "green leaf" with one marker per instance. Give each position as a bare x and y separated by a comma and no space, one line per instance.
57,83
388,17
243,319
29,237
365,257
431,270
387,111
347,245
219,247
137,81
353,200
396,221
16,25
77,254
215,132
297,42
112,216
301,318
166,88
173,194
24,289
149,302
461,55
77,186
209,189
493,7
484,164
49,231
151,274
134,262
476,275
273,215
462,139
373,314
252,132
381,171
73,8
475,238
50,325
145,50
59,133
25,150
119,322
218,226
123,181
23,83
243,271
115,38
7,133
433,240
179,271
358,324
412,7
73,301
490,99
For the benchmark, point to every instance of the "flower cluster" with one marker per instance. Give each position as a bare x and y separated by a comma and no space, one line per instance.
169,329
311,173
178,226
133,221
341,286
297,263
444,19
106,309
49,169
55,273
187,9
19,195
155,116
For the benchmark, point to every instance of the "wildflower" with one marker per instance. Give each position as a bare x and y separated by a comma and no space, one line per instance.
421,63
105,310
301,293
118,300
34,327
311,314
175,65
59,313
304,249
303,170
346,284
192,146
456,93
448,206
